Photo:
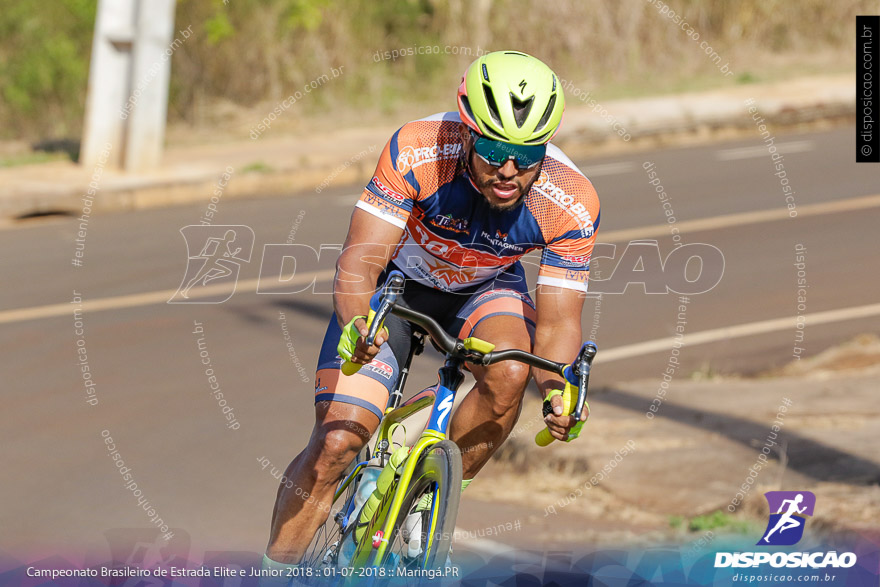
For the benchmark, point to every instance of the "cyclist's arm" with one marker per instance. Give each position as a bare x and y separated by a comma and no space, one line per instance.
376,227
557,332
562,283
557,337
367,250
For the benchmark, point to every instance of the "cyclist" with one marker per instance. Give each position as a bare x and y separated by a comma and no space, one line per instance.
456,201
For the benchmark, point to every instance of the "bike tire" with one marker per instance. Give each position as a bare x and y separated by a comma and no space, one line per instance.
438,472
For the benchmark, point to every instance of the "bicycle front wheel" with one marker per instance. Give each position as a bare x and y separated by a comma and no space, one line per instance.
422,534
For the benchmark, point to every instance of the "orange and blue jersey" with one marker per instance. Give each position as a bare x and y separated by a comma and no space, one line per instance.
452,238
462,257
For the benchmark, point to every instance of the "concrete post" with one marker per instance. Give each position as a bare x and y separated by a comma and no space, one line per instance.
151,70
127,98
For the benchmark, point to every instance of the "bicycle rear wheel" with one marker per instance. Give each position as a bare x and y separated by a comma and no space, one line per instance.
422,539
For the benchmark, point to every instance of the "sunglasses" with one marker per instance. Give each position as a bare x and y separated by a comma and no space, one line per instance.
497,153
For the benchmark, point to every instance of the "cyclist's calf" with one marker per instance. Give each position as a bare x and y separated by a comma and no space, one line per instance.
341,430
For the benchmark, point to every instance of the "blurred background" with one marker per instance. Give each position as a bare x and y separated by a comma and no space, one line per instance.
247,54
276,112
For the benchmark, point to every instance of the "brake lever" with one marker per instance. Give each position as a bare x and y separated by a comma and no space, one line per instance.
582,369
387,300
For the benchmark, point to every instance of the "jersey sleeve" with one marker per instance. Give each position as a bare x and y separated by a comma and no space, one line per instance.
389,195
565,261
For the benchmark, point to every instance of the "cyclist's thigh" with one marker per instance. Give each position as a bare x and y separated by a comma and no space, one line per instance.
501,312
361,397
505,296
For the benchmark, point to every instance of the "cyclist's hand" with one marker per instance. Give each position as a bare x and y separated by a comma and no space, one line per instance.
560,425
352,346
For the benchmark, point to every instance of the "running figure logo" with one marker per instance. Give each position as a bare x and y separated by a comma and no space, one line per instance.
211,274
786,526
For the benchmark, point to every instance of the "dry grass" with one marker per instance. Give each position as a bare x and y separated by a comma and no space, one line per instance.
245,56
613,47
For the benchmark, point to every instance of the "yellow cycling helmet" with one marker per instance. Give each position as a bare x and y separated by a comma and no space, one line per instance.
513,97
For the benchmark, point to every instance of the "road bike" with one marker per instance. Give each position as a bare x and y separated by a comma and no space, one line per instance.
394,511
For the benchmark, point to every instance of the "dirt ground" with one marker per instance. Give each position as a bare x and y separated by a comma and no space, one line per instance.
640,481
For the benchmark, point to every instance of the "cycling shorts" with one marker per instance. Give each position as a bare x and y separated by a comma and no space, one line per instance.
459,313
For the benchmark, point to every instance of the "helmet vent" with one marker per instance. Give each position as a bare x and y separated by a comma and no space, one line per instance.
467,107
543,122
540,140
493,107
521,109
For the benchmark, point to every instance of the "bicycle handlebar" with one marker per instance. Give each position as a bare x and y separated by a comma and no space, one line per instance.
384,301
455,346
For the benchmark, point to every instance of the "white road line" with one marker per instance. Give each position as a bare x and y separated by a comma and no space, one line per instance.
761,150
484,545
250,285
606,355
731,220
494,548
609,169
149,298
738,331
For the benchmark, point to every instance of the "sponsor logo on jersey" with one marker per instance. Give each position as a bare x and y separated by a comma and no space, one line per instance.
451,275
382,204
575,260
380,367
548,189
580,276
455,253
416,270
447,222
411,157
500,242
442,275
392,195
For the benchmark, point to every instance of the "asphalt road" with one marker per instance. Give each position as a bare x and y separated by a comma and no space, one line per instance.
62,492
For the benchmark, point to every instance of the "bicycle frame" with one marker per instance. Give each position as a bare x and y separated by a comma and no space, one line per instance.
450,379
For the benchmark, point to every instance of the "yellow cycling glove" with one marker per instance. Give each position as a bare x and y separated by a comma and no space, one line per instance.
348,339
348,343
544,437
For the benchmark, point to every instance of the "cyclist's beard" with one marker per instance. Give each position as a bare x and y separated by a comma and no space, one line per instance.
486,187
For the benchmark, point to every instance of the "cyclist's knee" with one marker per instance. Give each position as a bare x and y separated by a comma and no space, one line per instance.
332,451
509,376
505,382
